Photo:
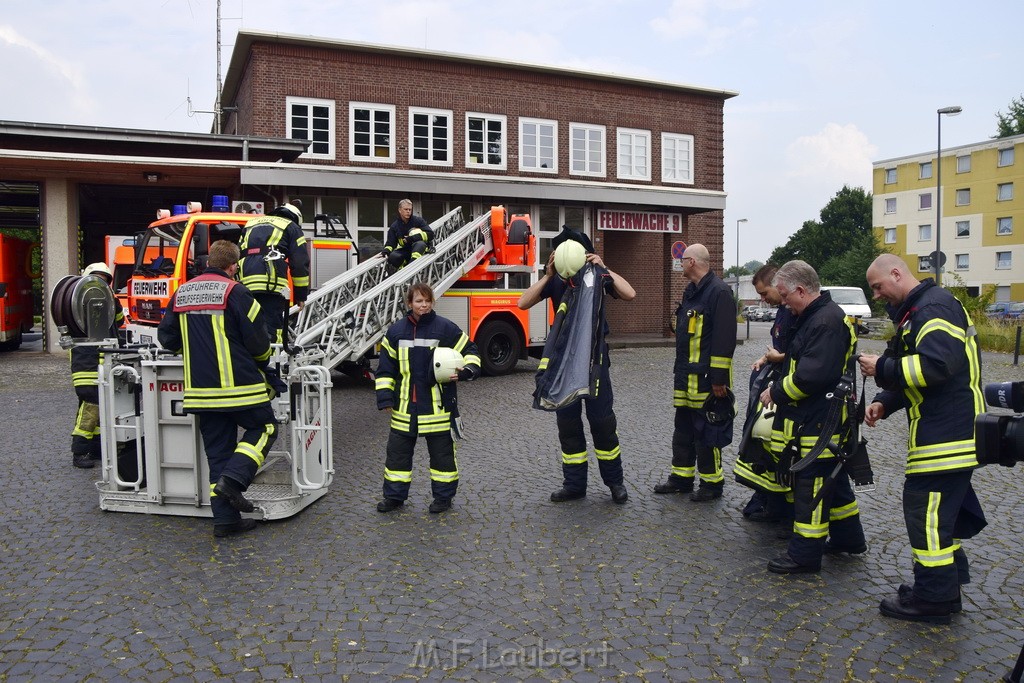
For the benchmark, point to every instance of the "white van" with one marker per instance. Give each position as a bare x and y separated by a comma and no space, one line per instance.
851,300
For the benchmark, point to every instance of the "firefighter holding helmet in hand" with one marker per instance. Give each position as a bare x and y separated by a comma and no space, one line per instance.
421,399
273,246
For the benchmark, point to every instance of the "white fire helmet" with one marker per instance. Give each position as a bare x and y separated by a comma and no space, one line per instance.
763,427
98,268
446,363
289,211
569,258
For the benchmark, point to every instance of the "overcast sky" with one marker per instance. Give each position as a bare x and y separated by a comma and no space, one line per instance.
825,88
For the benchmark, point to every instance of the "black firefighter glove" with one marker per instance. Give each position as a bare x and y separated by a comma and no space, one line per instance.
469,373
277,385
783,477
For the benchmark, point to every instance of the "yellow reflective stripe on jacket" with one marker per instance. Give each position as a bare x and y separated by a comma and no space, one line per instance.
385,383
721,363
405,370
939,457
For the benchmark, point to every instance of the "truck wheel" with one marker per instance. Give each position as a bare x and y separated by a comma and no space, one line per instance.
500,346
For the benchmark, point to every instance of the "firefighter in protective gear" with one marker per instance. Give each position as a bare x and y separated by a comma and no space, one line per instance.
600,405
85,377
274,246
418,404
409,236
819,350
932,368
216,323
705,344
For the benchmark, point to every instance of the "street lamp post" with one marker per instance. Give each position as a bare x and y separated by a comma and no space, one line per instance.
937,256
738,221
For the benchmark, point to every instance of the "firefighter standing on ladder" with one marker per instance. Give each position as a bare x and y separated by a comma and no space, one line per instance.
274,245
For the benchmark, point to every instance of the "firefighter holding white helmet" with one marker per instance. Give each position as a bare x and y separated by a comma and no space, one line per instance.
85,364
422,357
273,246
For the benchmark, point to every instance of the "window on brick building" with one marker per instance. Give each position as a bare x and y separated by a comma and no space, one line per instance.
430,136
371,132
634,154
586,149
676,158
485,141
537,145
312,120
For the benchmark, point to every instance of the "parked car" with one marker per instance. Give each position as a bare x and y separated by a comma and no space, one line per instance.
766,314
1001,309
851,299
1015,311
749,312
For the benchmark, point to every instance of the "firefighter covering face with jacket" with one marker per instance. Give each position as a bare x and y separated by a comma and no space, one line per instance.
85,376
409,236
932,368
573,372
274,246
821,343
216,324
705,344
421,403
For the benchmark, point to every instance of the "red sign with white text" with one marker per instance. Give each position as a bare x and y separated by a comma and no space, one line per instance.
640,221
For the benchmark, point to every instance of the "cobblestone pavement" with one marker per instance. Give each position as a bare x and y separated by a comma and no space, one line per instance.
506,586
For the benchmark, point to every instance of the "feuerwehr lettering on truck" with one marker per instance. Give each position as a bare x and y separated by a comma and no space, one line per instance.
149,287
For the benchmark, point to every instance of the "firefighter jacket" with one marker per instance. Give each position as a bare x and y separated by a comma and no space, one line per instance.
821,343
398,233
705,341
216,322
933,369
271,247
576,350
405,373
85,364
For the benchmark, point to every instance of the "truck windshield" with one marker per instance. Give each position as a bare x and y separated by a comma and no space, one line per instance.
158,248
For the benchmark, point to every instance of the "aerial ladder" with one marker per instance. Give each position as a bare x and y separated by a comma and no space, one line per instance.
349,315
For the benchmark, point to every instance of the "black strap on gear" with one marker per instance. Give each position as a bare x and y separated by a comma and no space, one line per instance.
837,400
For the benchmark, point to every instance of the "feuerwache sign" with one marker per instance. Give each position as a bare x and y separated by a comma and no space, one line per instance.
639,221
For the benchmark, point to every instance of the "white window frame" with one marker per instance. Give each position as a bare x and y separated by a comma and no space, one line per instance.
487,120
890,205
353,107
310,103
448,116
592,134
959,197
890,176
921,172
963,163
924,232
963,262
538,147
670,172
1005,157
1004,264
921,201
966,233
890,235
1006,221
626,166
1004,192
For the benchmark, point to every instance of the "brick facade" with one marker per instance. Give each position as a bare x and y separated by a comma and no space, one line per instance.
274,69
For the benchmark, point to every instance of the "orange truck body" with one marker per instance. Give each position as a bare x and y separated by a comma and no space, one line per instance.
16,303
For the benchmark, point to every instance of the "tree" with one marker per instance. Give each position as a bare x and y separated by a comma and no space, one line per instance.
1012,122
841,245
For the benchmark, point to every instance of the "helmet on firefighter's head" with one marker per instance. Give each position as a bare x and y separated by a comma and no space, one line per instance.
570,256
290,211
98,268
719,411
446,363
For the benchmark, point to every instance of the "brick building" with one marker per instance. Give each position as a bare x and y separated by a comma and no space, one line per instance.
637,164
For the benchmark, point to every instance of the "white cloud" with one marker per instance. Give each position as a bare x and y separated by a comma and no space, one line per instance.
834,156
21,70
691,19
67,71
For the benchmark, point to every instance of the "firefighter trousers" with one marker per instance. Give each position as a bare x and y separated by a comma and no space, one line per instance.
229,456
85,436
444,469
403,255
931,505
603,429
690,455
836,515
274,309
